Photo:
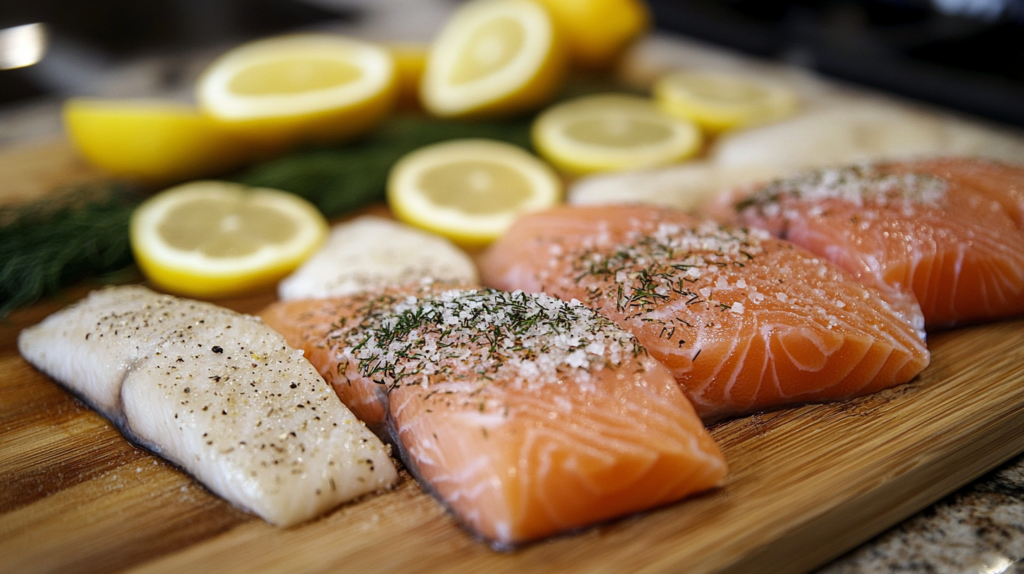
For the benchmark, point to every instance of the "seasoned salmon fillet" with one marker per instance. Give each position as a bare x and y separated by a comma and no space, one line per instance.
527,416
745,322
948,231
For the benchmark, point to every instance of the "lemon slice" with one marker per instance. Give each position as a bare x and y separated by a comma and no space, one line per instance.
721,101
597,32
216,239
493,57
153,141
471,190
300,88
612,132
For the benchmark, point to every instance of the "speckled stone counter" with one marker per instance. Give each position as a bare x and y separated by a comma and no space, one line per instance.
978,529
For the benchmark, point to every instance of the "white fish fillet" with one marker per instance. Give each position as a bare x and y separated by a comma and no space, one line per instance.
216,392
371,252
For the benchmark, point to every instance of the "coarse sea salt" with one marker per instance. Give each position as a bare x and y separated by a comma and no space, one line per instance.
525,338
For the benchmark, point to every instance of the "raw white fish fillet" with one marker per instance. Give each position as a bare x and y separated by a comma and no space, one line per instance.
371,252
219,394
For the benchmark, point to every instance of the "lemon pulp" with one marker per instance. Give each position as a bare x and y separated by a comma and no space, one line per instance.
720,101
293,77
612,132
493,57
300,88
213,239
469,190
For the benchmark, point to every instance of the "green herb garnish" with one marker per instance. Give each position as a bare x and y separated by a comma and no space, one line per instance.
62,239
82,232
340,179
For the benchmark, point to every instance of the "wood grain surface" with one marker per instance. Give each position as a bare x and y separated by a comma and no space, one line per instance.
805,485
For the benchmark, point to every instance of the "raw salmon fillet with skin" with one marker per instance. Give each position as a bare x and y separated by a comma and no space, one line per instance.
946,230
744,322
525,415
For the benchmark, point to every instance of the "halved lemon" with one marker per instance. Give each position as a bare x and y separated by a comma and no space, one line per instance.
153,141
493,57
410,62
597,32
216,239
719,101
301,88
612,132
470,190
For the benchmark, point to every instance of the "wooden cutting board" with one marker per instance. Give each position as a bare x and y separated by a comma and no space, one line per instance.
805,485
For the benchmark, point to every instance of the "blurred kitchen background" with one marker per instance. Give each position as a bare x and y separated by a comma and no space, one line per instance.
967,55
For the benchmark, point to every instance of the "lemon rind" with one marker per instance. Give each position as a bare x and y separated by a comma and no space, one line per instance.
149,140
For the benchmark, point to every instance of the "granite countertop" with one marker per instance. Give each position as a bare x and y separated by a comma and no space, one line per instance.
978,529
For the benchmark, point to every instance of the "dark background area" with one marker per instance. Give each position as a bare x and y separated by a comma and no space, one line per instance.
969,57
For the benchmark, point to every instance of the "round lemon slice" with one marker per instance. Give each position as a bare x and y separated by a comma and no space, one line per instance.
612,132
470,191
493,57
300,88
721,101
216,239
152,141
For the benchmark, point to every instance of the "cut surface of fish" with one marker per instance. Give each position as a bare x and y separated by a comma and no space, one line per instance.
219,394
525,415
370,252
745,322
948,231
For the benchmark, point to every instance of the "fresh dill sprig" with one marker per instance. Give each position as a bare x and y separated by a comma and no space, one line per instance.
344,178
82,232
62,239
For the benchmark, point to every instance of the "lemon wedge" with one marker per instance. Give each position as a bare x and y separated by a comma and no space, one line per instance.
152,141
597,32
720,101
612,132
470,190
493,57
216,239
301,88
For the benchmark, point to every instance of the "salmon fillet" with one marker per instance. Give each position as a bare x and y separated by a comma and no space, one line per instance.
948,231
744,322
525,415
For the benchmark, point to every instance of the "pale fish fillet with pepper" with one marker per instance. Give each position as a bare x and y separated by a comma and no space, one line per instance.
218,393
950,231
744,322
525,415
